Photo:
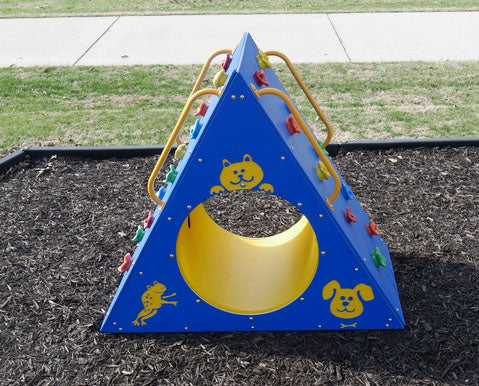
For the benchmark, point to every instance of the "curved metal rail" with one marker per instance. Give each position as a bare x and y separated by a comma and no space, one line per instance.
173,136
306,92
309,135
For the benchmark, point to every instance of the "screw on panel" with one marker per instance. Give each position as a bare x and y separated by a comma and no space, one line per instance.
292,148
301,299
299,205
233,97
387,325
365,259
120,329
241,96
141,273
356,269
321,215
251,318
114,323
283,158
200,159
323,253
397,309
390,319
188,207
172,255
186,328
319,326
198,301
252,327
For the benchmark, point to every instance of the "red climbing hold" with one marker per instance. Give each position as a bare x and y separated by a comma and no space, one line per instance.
226,62
349,215
201,109
146,223
260,78
292,125
127,260
372,229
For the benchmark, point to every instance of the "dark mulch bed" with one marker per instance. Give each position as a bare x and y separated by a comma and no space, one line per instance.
66,223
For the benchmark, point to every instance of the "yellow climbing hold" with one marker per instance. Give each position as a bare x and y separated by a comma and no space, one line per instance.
220,79
322,171
263,60
180,151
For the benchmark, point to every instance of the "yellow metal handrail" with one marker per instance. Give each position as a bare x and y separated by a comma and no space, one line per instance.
200,78
309,135
306,92
173,136
206,67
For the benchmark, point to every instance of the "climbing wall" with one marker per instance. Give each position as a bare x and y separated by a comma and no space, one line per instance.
330,271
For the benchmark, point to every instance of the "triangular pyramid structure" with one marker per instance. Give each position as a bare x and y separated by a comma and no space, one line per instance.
329,271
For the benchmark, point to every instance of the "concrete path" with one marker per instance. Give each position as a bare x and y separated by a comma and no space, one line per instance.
315,38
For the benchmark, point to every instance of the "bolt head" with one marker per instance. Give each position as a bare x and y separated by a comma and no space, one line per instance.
141,273
188,207
233,97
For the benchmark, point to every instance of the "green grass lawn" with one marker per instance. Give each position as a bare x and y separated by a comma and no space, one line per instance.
107,7
140,104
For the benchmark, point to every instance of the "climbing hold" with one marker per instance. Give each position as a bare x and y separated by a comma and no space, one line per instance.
347,192
378,258
372,229
263,60
195,129
292,125
225,64
220,79
260,78
323,148
322,171
140,232
161,193
171,176
180,151
349,215
146,223
201,110
127,261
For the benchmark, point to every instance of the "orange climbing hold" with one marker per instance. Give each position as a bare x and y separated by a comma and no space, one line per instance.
202,109
372,229
127,261
292,125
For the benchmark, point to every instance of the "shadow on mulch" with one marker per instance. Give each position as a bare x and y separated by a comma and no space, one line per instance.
68,222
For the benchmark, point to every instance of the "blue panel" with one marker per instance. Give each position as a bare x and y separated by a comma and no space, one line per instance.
236,124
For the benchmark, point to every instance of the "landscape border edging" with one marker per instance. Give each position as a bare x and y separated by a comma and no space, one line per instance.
102,152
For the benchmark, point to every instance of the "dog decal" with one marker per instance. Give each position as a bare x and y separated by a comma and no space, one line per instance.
347,303
241,175
152,300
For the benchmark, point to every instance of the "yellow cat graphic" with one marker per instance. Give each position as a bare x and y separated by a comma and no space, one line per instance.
241,175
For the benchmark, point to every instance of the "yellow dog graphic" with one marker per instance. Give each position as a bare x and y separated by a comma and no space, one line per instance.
347,302
241,175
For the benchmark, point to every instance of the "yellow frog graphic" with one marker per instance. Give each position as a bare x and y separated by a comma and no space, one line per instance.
241,175
152,299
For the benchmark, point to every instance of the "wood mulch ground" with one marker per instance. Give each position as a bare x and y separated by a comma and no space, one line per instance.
66,224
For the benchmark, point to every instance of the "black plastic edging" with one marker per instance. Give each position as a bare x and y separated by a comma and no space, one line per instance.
97,152
12,159
408,144
101,152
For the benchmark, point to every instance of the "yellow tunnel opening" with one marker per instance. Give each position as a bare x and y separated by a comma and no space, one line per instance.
245,275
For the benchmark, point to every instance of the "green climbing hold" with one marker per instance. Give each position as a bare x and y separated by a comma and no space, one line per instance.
140,232
171,176
321,145
378,258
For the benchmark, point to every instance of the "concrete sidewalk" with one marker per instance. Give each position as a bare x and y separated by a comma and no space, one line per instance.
314,38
